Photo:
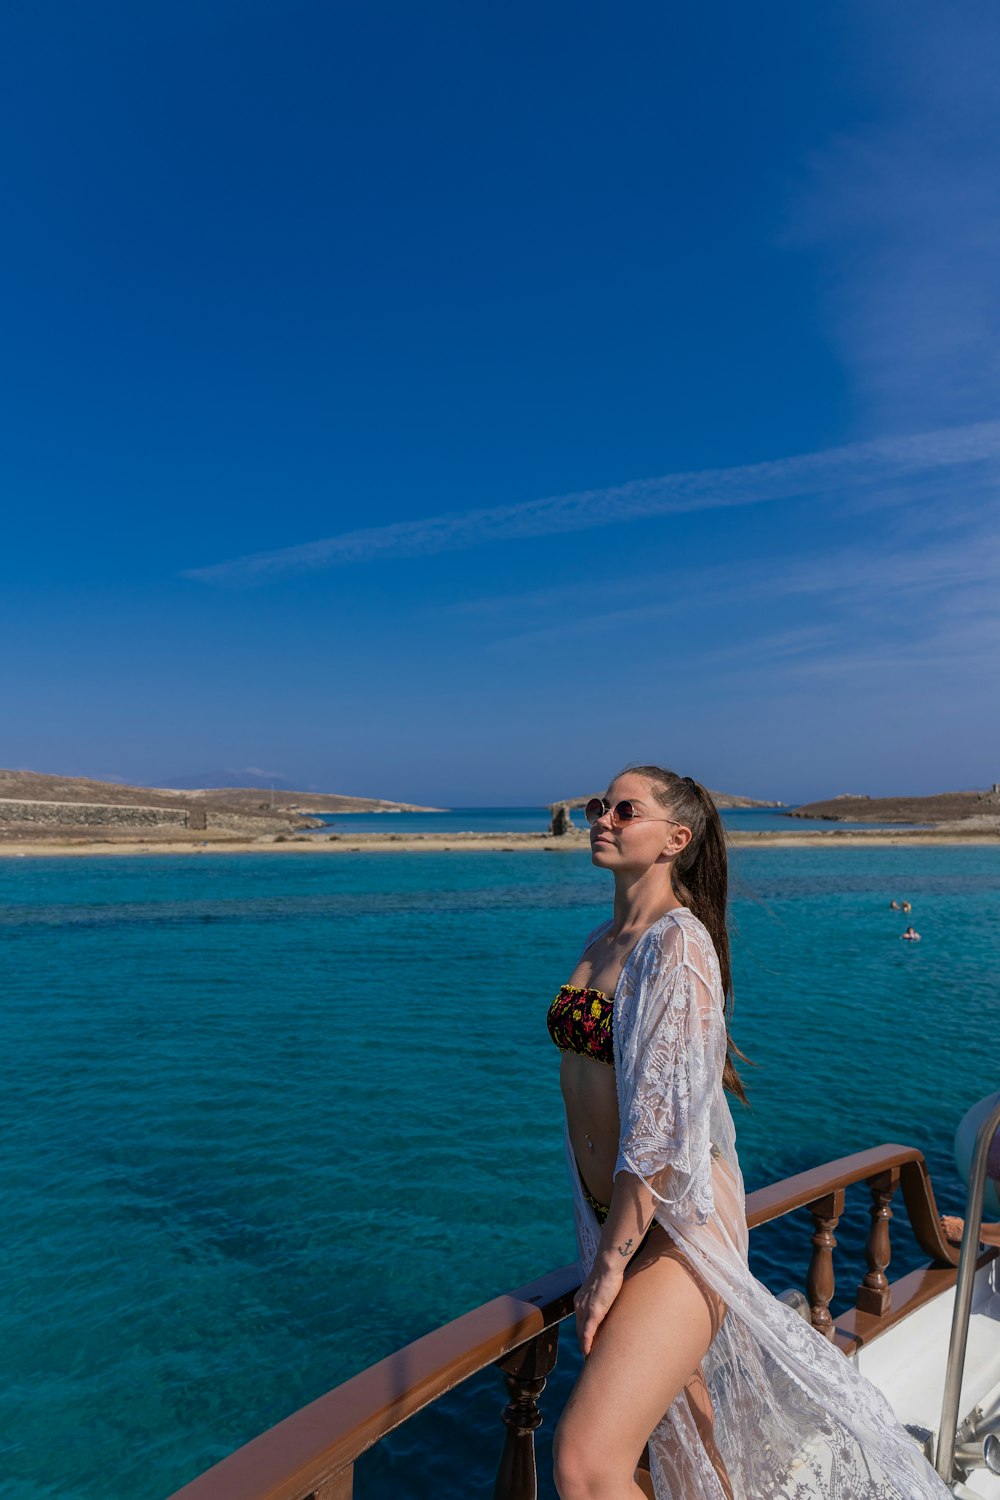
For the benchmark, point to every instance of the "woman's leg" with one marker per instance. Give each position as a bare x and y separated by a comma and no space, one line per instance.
648,1349
700,1402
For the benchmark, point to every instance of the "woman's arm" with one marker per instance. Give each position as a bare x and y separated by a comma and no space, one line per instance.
989,1234
672,1055
629,1217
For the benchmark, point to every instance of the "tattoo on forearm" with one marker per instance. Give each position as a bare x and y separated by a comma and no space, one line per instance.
624,1249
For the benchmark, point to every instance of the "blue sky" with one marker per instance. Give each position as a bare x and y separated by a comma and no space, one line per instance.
456,402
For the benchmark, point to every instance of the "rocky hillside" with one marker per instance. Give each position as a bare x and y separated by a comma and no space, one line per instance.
730,800
36,805
34,786
944,807
304,802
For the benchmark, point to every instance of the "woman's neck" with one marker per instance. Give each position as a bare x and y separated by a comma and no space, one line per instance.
641,900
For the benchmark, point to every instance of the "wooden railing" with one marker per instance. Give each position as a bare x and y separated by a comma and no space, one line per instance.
311,1455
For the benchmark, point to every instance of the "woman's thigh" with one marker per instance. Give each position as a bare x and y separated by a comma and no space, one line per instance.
646,1351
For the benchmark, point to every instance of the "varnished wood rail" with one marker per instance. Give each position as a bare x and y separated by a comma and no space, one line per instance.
311,1454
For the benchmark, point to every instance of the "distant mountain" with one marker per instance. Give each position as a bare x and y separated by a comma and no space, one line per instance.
250,776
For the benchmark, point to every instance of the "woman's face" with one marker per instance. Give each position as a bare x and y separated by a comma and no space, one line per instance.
647,840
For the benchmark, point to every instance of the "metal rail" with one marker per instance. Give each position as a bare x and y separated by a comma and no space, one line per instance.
948,1429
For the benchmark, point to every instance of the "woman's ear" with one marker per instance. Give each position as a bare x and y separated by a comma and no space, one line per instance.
683,837
679,839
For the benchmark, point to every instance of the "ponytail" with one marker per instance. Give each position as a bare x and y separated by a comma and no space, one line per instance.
701,882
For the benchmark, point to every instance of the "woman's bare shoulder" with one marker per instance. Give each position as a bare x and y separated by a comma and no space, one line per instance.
599,931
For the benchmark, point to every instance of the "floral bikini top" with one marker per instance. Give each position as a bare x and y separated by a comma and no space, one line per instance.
579,1021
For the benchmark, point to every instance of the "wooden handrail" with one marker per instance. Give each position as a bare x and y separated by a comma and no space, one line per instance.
306,1451
806,1187
311,1454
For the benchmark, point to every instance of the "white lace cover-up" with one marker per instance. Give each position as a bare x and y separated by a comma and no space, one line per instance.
794,1419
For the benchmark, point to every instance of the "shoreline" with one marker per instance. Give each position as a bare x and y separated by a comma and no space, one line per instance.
441,843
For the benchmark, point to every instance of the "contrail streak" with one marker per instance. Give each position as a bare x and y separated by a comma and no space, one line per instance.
880,462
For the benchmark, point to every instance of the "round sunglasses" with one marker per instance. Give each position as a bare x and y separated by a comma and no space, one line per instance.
623,812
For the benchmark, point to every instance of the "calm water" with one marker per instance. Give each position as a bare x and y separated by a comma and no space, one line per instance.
265,1119
536,820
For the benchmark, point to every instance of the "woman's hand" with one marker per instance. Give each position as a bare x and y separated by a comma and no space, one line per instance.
593,1302
952,1227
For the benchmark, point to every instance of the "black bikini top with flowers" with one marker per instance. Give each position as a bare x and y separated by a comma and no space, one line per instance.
579,1021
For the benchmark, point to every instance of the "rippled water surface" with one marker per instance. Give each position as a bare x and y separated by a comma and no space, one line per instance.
264,1119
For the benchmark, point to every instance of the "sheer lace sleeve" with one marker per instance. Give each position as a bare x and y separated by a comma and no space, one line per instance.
672,1048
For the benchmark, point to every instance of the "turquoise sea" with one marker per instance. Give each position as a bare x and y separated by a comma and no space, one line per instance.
266,1118
536,820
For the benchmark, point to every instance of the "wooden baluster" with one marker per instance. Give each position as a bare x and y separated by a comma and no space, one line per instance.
340,1487
820,1283
525,1372
874,1293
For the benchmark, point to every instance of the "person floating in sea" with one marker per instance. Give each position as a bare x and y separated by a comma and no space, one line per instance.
954,1227
906,906
895,906
685,1351
911,935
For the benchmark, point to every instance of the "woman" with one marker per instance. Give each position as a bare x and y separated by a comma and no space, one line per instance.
737,1397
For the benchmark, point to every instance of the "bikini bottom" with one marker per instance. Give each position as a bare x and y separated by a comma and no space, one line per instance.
601,1210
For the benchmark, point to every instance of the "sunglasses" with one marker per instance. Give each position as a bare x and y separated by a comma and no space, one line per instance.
623,812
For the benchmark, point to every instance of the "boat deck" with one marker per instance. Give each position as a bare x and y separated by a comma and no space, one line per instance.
908,1363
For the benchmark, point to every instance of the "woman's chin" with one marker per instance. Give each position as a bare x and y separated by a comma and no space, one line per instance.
602,854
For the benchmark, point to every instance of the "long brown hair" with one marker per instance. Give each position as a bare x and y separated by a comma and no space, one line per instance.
701,881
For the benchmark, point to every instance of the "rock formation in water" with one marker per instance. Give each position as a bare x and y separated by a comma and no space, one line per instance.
560,821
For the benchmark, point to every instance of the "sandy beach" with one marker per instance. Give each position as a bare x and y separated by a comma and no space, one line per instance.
439,843
56,817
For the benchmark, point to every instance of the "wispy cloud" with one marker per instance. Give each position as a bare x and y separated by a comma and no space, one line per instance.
894,573
896,592
853,468
936,658
905,216
950,556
